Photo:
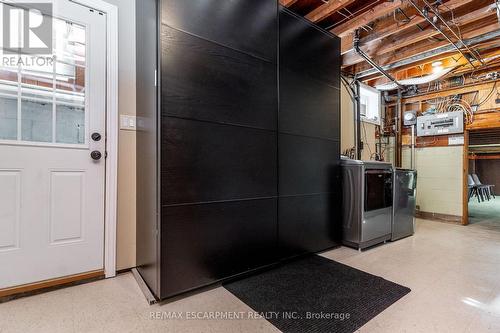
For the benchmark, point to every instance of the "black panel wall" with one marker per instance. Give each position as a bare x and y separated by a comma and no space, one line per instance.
309,135
247,150
147,249
219,140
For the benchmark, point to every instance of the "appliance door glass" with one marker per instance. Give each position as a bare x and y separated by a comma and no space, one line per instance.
378,189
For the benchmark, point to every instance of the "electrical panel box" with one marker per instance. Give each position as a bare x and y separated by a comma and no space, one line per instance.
440,124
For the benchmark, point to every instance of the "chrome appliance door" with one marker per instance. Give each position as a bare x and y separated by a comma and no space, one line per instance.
405,191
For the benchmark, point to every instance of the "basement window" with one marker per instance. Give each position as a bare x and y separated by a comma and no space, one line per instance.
370,101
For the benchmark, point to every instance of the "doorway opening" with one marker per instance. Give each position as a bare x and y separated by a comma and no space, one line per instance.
483,178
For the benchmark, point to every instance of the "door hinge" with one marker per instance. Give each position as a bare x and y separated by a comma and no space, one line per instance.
105,154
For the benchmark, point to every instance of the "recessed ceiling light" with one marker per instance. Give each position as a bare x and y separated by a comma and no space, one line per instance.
437,64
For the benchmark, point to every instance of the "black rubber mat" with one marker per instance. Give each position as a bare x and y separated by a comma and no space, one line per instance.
315,294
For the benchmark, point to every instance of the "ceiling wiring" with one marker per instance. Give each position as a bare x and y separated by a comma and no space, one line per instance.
359,11
489,95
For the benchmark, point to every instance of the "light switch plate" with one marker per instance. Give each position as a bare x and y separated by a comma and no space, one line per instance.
128,123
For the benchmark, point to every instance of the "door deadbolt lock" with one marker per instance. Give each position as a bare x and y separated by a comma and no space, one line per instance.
96,136
96,155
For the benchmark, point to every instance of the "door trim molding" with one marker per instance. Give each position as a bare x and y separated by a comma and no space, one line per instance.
111,131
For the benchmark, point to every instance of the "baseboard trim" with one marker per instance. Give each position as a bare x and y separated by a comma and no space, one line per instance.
47,285
445,218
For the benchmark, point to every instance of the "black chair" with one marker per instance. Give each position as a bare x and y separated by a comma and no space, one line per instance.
488,189
473,190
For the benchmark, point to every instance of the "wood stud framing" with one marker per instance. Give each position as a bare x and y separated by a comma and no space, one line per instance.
393,30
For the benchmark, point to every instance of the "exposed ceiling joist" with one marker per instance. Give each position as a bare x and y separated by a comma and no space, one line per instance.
396,42
487,33
287,3
451,91
389,27
482,27
405,37
327,9
365,18
424,67
434,21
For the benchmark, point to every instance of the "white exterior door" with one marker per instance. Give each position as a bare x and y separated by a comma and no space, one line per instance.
51,188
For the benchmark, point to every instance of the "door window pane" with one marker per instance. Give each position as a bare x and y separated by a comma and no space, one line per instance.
70,81
8,104
48,96
70,126
8,118
36,120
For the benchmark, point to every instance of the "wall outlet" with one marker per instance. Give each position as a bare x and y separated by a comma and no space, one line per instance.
128,123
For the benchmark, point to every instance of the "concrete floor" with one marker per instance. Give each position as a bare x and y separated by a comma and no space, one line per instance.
453,272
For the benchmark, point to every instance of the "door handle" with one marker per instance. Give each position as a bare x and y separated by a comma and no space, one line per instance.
96,136
96,155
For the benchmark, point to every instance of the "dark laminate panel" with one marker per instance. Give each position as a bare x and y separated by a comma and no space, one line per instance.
208,242
306,165
249,26
308,107
210,162
146,145
308,224
219,182
203,80
307,49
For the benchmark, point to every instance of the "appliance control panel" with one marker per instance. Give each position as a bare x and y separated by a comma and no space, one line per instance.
440,124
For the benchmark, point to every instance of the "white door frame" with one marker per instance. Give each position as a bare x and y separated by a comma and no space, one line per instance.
111,131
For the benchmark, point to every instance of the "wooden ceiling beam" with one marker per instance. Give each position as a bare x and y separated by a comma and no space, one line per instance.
427,68
487,49
485,120
450,91
365,18
488,66
386,29
428,49
327,9
391,44
287,3
399,41
491,57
